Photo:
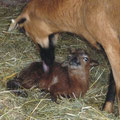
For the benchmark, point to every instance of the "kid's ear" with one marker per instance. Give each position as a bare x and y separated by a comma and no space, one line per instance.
71,50
93,63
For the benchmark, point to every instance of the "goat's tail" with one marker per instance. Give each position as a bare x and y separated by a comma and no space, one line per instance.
19,21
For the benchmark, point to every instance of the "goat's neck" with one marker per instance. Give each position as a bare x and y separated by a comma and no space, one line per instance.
79,74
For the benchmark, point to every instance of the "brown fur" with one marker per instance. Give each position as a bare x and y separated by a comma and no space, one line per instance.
71,80
95,20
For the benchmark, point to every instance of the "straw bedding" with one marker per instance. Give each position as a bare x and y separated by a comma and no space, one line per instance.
17,51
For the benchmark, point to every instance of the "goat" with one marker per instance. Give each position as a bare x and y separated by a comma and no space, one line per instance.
68,79
98,21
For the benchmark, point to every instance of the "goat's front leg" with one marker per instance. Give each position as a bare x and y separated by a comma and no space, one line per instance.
48,53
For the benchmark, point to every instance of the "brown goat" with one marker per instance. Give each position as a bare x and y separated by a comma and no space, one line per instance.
70,80
96,20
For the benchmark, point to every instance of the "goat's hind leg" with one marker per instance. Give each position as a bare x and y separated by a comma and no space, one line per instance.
113,53
110,97
111,45
15,87
108,38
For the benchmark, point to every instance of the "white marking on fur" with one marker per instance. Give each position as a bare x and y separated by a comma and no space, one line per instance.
12,25
48,88
54,80
45,67
13,21
55,39
85,56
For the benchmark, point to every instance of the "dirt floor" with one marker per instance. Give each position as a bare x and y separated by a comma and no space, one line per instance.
17,51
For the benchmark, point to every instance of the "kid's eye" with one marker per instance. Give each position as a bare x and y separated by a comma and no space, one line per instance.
85,59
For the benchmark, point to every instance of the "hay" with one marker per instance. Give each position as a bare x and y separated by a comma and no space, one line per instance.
17,51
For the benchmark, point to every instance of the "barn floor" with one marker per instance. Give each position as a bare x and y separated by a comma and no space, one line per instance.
17,51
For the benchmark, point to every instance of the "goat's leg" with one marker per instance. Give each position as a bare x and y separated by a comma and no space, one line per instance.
53,93
110,97
47,54
15,87
111,45
101,29
113,53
